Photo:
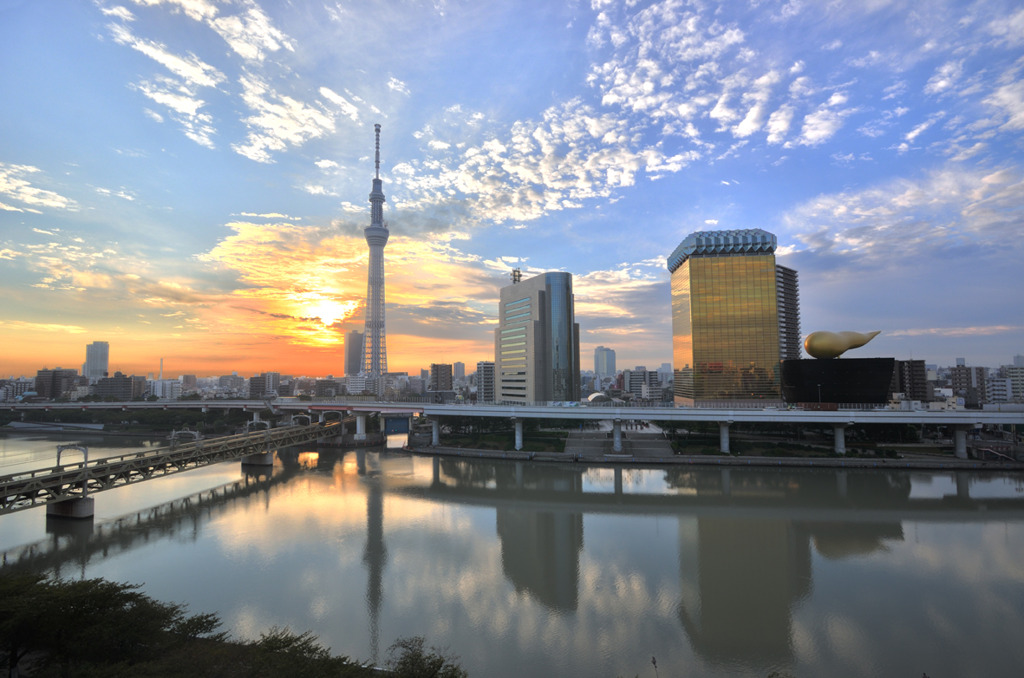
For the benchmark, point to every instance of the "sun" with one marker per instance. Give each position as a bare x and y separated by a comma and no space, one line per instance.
329,311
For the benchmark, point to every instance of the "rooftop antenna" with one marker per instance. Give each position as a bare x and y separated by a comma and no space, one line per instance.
517,275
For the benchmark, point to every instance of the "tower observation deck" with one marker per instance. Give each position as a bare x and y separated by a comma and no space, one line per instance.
375,364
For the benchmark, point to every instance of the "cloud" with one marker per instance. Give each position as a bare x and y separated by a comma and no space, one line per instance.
184,107
948,213
270,215
945,77
396,85
47,328
15,186
1009,101
347,108
190,68
277,121
822,124
250,33
959,331
120,193
1009,29
572,154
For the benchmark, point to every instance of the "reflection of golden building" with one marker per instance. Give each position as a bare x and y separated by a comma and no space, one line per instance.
742,574
741,579
725,317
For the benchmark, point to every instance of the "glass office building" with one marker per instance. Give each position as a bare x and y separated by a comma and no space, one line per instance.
537,342
725,320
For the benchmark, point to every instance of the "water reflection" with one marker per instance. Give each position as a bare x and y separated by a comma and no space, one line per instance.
727,572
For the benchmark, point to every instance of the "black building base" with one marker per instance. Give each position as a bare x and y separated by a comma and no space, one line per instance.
839,380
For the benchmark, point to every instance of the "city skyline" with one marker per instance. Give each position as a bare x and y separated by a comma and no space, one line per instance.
187,180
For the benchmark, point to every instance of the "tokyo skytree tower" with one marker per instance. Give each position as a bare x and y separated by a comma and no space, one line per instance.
375,364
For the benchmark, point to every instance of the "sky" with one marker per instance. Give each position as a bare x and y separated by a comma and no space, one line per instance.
188,179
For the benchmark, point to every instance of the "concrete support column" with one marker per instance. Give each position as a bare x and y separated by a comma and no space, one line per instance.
259,459
323,417
960,441
723,436
616,435
83,507
963,486
519,433
256,416
360,427
435,432
839,435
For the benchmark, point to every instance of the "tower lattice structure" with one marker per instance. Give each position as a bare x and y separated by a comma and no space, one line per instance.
375,364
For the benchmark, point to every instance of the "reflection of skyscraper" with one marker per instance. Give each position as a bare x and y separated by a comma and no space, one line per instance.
97,361
537,342
376,364
354,352
742,573
725,319
540,553
741,579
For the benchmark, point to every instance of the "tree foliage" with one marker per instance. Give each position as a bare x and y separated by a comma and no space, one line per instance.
93,627
407,658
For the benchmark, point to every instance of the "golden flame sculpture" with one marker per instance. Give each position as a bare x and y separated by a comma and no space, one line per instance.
834,344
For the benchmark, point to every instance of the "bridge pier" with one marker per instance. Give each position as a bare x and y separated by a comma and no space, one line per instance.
360,427
723,436
435,432
259,459
616,435
960,441
963,486
839,436
519,432
83,507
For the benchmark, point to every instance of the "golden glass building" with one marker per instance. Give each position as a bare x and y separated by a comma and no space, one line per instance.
725,318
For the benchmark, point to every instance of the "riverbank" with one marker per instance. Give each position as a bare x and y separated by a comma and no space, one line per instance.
916,462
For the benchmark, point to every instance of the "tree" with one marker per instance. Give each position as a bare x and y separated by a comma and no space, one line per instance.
67,624
407,658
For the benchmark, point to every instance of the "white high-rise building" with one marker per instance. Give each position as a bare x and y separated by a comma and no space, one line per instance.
376,363
537,342
604,362
97,361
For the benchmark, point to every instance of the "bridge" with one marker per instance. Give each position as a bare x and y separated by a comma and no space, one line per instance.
64,489
839,420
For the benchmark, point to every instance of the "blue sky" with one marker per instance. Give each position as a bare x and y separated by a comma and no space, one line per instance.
188,179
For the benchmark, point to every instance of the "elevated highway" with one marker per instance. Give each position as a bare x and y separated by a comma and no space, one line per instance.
840,419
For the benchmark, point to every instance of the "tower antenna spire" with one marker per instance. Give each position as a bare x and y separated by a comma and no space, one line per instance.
376,160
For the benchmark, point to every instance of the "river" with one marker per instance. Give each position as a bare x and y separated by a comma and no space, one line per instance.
563,570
